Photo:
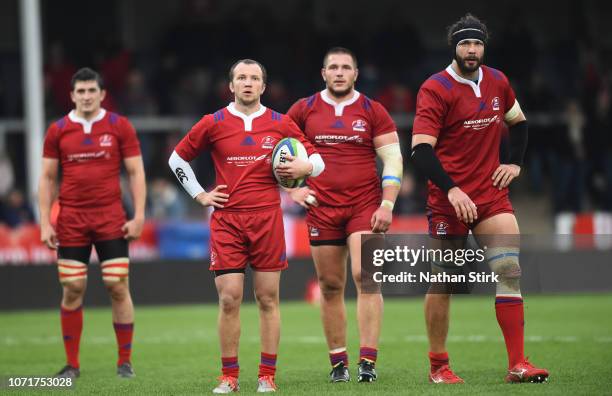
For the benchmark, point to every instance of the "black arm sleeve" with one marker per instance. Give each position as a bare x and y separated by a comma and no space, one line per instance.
518,142
425,160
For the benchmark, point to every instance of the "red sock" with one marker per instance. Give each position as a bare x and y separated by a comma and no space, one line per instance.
368,353
337,357
267,365
230,367
124,333
511,319
72,326
437,360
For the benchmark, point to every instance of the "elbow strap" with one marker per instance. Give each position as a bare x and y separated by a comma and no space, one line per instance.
518,142
426,161
514,111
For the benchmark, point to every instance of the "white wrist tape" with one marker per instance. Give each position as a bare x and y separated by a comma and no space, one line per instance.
393,167
184,173
387,204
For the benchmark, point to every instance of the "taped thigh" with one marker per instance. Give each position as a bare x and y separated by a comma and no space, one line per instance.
114,260
115,270
72,263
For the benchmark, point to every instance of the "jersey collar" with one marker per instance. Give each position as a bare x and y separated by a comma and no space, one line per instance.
461,80
248,119
87,125
339,107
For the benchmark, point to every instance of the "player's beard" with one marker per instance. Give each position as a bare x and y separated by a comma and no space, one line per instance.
464,68
340,93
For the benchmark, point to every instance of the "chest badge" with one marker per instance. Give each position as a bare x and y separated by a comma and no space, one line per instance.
268,143
359,125
495,103
106,140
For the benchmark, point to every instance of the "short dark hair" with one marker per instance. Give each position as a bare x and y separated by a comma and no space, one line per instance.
467,21
86,74
264,74
340,50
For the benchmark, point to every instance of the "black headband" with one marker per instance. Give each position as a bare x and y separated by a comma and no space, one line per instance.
468,33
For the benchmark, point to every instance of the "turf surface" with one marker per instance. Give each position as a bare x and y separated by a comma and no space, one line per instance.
176,349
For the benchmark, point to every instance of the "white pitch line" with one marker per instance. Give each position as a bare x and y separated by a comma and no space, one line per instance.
202,336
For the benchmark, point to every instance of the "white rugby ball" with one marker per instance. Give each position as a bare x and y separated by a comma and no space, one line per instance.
288,146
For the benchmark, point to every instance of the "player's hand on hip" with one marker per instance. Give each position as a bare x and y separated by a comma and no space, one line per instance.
381,219
304,196
214,197
504,174
464,207
294,168
133,228
48,236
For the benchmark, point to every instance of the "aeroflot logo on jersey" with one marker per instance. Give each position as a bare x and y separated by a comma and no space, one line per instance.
80,157
335,139
480,123
244,160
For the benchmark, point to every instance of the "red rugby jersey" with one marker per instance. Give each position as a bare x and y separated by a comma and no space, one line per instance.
343,134
468,120
90,156
241,149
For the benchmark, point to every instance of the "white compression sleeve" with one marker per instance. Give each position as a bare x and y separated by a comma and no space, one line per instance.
184,173
318,165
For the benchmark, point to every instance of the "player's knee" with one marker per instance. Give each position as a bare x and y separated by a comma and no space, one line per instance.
331,285
118,291
73,292
267,301
441,270
504,262
229,302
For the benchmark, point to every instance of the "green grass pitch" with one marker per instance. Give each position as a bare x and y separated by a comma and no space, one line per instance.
176,349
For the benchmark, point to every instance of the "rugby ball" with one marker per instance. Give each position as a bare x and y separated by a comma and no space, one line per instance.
288,146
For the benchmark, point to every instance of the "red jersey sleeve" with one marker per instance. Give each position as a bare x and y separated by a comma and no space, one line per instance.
383,123
431,110
51,143
196,140
296,113
290,129
509,95
129,144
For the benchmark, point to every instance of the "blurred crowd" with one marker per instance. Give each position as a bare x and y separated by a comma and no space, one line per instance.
563,87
